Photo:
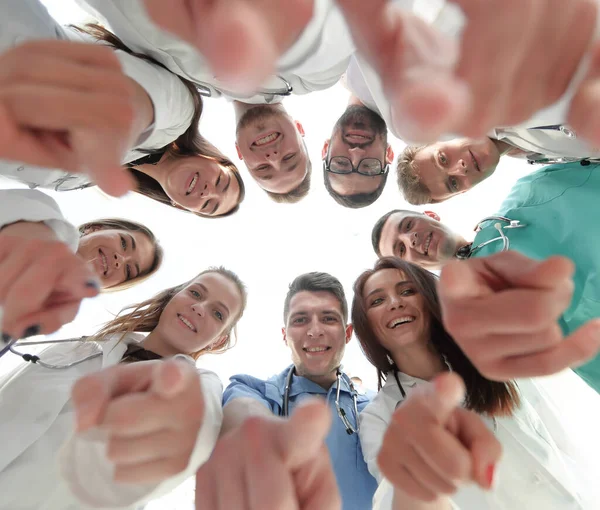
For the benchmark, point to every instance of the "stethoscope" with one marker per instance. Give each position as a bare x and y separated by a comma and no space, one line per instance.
36,360
341,413
466,251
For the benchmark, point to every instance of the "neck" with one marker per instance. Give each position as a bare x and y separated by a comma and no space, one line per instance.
156,343
418,361
240,108
503,147
157,171
323,380
355,101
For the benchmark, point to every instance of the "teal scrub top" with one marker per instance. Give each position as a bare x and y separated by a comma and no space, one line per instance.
560,204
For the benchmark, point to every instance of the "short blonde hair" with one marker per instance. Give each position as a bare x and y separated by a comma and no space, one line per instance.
413,190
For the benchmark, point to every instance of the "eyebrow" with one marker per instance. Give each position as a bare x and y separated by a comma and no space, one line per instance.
294,166
203,287
448,187
217,204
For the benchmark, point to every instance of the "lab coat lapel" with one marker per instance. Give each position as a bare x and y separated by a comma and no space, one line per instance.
33,396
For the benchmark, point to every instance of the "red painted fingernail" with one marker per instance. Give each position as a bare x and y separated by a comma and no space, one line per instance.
489,475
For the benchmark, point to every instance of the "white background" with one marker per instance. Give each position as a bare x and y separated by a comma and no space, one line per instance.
269,244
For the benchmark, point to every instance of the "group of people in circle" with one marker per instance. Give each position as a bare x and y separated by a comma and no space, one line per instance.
123,417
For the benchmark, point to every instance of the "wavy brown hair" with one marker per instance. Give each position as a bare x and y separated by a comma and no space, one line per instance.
143,317
483,396
128,226
190,144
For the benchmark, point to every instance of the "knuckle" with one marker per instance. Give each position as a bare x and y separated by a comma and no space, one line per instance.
252,430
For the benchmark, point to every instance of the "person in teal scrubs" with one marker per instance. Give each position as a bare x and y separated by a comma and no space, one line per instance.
559,206
556,208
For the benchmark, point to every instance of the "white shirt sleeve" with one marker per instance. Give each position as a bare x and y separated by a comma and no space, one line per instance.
172,101
89,474
34,206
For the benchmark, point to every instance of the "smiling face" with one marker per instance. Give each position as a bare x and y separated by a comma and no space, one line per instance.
396,312
201,314
420,239
201,185
359,134
453,167
270,143
116,255
316,333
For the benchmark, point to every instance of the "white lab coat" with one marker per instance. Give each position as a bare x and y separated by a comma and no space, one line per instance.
173,106
365,84
34,206
43,466
531,475
316,61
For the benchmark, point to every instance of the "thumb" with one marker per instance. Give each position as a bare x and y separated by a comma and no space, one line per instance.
302,436
445,394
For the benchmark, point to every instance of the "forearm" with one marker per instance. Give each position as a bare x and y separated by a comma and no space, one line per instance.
238,410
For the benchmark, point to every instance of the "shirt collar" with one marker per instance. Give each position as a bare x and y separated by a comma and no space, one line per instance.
303,385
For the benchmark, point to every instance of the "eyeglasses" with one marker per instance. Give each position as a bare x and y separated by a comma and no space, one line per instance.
368,166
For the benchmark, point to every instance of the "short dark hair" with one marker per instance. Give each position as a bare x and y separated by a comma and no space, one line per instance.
357,200
409,183
378,228
316,282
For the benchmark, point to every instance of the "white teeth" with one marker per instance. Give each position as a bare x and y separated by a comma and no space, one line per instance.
266,139
192,184
186,322
427,243
104,262
315,349
401,320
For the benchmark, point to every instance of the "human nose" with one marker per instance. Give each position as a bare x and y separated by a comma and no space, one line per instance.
356,155
119,260
209,191
459,169
395,302
198,309
315,328
411,238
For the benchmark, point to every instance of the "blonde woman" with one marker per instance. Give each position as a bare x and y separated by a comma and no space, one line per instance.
126,423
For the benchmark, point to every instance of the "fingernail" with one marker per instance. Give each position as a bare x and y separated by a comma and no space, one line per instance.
32,331
6,338
490,477
92,284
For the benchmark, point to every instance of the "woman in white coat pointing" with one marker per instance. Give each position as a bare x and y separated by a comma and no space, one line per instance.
85,110
130,432
40,250
436,452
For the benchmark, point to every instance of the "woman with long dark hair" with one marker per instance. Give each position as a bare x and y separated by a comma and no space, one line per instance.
111,421
397,320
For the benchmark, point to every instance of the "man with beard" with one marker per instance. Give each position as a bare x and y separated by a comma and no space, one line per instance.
356,158
271,144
